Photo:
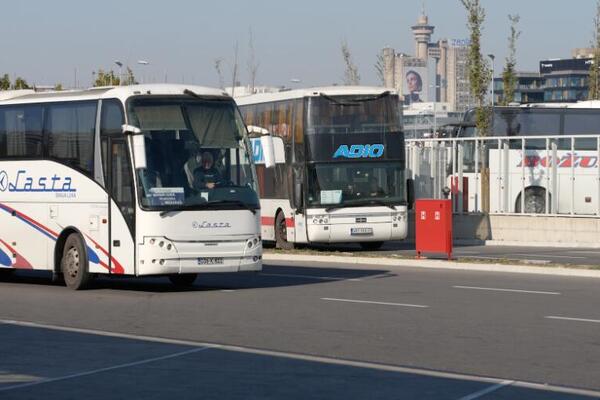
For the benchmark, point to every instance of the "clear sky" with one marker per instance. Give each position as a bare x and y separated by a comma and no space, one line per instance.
47,41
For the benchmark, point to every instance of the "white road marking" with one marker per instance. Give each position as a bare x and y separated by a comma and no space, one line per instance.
512,259
322,278
227,290
595,321
487,390
584,252
375,302
99,370
545,255
304,357
505,290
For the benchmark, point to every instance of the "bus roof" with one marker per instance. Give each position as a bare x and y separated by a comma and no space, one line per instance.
313,92
107,92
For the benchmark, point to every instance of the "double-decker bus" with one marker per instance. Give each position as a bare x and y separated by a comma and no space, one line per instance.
543,158
133,180
340,168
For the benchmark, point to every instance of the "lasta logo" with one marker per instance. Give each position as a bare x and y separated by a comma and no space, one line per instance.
24,182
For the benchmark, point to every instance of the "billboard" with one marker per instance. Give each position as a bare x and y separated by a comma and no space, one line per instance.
415,84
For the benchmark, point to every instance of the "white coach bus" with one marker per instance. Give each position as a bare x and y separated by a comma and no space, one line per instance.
132,180
340,166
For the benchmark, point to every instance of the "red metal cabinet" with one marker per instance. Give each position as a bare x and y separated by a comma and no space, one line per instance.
433,226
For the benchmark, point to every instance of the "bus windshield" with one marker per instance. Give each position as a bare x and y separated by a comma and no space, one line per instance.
344,184
353,114
197,154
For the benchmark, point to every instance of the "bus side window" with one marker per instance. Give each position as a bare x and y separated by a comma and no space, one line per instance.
70,129
21,131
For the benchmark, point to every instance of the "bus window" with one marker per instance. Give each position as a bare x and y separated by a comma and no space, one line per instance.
21,131
70,130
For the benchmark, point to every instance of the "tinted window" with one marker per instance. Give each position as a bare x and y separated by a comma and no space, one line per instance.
70,130
110,124
582,123
21,131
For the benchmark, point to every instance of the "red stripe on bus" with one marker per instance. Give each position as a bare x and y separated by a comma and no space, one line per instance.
20,261
270,221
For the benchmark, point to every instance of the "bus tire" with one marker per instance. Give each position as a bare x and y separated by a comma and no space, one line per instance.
535,201
281,241
371,246
183,280
74,263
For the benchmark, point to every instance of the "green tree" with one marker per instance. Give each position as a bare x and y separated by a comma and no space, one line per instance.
20,83
106,78
594,78
129,78
509,75
5,82
479,79
58,87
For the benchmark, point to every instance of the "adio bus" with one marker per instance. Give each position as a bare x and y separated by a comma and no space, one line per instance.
107,181
543,158
339,171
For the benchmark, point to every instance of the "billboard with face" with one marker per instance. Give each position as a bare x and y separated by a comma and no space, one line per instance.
415,84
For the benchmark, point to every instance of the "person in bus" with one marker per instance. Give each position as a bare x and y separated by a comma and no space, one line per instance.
206,176
374,189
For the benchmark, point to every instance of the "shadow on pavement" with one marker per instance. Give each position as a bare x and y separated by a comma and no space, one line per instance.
270,277
99,367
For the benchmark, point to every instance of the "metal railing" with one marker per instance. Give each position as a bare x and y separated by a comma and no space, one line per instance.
551,175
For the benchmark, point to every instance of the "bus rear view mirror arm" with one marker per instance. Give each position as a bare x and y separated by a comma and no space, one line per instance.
138,145
268,147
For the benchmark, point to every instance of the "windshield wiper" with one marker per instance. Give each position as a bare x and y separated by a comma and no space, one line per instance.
209,204
361,203
238,203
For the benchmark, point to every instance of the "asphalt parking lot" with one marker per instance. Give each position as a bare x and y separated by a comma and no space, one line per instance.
303,331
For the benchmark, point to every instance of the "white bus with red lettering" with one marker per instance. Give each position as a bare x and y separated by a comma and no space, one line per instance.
133,180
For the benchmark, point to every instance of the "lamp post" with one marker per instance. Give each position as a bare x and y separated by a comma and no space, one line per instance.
492,58
120,65
143,62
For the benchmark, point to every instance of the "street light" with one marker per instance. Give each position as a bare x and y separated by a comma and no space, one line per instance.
492,57
143,62
120,65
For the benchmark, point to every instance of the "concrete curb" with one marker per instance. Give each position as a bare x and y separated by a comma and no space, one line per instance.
433,264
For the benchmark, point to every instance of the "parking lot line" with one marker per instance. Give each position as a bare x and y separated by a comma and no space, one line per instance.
595,321
505,290
384,303
105,369
487,390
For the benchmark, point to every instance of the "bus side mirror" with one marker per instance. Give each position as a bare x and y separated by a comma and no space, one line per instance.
139,145
410,193
268,147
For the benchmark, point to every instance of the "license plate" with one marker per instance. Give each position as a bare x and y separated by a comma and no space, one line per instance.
210,260
361,231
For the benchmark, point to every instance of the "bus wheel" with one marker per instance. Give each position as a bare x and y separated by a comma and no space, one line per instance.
535,201
183,280
371,246
74,263
281,241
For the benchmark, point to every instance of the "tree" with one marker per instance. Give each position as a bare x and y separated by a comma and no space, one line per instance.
106,78
235,69
58,87
20,84
129,78
5,82
509,76
594,79
380,68
218,64
351,75
479,78
252,64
